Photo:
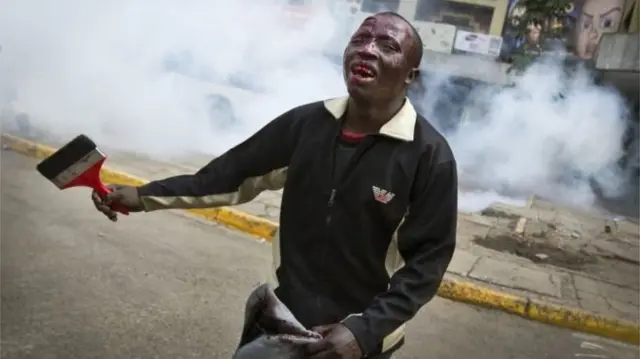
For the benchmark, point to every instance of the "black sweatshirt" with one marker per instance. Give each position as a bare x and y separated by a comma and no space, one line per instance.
365,244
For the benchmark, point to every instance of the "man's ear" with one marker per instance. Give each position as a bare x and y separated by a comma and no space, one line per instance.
412,76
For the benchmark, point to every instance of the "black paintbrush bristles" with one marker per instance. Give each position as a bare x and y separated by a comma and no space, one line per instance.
66,157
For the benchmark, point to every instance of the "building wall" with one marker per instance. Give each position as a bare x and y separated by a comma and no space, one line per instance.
632,16
481,16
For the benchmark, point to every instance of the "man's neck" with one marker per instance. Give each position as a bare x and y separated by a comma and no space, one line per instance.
367,117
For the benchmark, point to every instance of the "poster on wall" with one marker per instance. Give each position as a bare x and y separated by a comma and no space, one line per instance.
581,29
473,42
436,37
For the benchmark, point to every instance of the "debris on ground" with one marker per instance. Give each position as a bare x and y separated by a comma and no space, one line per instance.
564,237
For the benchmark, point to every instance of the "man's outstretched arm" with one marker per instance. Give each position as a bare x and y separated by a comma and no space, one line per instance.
257,164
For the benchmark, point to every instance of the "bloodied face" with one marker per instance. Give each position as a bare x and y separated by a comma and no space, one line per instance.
381,58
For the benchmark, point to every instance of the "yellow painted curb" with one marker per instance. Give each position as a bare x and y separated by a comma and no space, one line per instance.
566,317
561,316
244,222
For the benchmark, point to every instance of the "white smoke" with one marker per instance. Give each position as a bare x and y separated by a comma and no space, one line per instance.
101,68
554,133
135,75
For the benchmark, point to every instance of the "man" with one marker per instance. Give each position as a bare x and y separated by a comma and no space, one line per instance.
369,207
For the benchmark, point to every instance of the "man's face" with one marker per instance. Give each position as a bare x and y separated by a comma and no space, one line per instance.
378,61
597,17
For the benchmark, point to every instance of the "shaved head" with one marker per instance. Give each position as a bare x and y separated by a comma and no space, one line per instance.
418,49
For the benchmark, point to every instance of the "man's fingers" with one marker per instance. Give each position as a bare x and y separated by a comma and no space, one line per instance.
95,197
323,329
97,202
103,206
311,334
112,197
107,211
317,347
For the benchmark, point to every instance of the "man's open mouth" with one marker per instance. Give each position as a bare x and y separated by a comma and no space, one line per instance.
362,72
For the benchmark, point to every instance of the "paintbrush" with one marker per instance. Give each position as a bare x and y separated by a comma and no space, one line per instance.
77,164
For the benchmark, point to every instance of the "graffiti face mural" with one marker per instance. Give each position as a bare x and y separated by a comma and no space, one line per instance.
597,17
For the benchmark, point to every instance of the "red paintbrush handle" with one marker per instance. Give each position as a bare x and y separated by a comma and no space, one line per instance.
103,191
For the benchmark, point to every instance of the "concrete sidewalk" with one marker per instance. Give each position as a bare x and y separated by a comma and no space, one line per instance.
501,248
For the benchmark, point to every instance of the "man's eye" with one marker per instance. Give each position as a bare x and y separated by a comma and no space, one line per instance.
389,46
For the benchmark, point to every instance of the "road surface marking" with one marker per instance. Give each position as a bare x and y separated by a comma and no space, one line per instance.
592,346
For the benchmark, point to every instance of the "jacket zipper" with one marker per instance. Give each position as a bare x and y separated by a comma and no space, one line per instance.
363,147
332,196
332,179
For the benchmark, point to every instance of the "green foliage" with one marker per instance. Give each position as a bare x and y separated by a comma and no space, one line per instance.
520,60
545,15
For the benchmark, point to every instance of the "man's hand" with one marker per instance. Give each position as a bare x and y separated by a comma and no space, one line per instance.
338,343
126,196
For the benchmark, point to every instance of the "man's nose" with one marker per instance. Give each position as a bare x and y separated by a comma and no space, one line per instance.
368,51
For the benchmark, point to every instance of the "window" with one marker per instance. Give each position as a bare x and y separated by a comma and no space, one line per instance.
469,17
373,6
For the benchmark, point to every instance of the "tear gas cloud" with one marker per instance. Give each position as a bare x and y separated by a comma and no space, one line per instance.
553,133
136,75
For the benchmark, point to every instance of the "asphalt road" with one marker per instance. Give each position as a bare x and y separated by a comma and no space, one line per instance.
164,285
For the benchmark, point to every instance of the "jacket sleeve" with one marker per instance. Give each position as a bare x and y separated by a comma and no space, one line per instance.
426,242
239,175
